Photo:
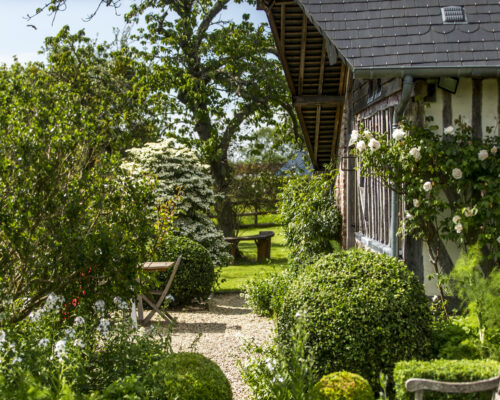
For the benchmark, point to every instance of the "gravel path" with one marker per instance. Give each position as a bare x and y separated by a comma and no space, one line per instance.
224,327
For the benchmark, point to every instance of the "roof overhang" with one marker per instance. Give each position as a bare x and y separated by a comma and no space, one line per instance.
316,77
426,72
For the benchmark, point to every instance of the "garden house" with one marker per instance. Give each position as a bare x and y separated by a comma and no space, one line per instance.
352,61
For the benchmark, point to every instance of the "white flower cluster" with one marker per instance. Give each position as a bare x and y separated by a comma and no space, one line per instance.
53,302
120,303
60,349
79,321
103,326
458,226
449,130
415,153
100,306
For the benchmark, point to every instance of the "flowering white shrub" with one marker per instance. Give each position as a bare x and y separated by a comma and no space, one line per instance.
178,170
60,352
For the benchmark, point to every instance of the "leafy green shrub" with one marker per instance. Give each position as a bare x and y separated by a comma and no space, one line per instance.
190,376
309,215
343,386
195,277
265,295
275,374
363,311
65,204
454,338
47,357
444,370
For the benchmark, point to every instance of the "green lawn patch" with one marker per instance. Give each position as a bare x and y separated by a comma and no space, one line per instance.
233,277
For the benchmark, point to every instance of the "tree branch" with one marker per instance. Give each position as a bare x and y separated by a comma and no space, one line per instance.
205,23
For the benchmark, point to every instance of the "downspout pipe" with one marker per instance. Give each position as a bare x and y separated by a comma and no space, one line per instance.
396,117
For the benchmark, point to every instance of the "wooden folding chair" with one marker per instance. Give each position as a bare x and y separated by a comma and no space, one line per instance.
157,266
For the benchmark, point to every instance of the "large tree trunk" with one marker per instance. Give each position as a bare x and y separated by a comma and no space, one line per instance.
226,217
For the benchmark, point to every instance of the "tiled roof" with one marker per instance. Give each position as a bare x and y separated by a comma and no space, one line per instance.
372,34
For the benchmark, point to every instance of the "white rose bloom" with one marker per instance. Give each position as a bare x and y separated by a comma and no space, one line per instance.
456,173
408,215
354,137
398,134
456,219
416,203
459,228
494,150
482,155
43,342
449,130
427,186
361,145
374,144
78,321
415,153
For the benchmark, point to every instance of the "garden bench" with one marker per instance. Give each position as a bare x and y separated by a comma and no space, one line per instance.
153,267
418,386
262,240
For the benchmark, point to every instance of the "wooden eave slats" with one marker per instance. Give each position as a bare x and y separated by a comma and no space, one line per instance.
317,87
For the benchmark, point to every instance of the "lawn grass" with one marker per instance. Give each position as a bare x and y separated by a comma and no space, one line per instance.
233,277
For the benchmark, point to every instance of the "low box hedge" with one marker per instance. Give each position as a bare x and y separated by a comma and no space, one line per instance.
447,371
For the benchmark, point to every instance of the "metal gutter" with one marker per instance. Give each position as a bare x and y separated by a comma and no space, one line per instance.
427,72
396,117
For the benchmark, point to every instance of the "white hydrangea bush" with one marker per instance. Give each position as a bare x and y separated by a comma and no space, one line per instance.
178,170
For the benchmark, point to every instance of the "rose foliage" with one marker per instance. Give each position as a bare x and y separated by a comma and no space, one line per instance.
450,182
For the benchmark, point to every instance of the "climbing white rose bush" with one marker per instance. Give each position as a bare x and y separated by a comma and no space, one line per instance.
450,180
178,171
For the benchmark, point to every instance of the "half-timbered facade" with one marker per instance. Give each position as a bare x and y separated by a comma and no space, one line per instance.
352,61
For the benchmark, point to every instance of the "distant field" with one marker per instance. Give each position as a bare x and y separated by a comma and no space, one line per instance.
234,277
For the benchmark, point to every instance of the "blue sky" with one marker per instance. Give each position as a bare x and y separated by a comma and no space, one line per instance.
24,41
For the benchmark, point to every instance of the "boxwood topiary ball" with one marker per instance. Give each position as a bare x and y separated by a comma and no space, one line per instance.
195,277
191,376
343,386
363,313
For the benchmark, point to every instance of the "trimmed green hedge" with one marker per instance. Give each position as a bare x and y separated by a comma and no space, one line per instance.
191,376
445,370
363,313
343,386
195,277
178,376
